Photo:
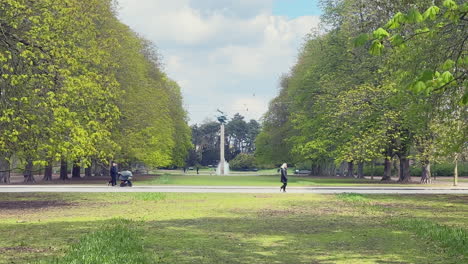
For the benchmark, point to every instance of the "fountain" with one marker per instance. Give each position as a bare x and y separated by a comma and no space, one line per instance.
226,169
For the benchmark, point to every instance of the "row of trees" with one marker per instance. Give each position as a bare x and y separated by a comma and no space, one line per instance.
78,85
387,79
240,138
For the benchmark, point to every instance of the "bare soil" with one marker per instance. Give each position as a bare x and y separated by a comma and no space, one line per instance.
34,204
19,179
22,249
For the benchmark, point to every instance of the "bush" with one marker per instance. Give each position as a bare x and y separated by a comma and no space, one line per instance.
305,165
445,169
378,170
242,161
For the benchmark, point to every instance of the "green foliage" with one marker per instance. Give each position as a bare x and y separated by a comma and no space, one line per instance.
242,161
450,4
339,103
444,169
77,95
380,33
430,32
377,170
398,19
431,13
414,16
397,40
361,40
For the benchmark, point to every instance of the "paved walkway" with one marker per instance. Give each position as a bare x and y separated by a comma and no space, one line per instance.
232,189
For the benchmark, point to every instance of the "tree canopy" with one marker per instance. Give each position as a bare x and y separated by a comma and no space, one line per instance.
76,84
382,79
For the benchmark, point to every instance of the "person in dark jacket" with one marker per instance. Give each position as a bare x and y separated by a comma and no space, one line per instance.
284,176
114,172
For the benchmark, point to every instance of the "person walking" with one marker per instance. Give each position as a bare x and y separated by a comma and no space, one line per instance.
284,176
114,172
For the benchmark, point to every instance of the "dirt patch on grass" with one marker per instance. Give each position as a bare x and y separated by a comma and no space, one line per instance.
9,206
263,196
19,179
23,249
285,212
297,210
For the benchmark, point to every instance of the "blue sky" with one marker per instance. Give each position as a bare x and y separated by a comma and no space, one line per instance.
224,54
296,8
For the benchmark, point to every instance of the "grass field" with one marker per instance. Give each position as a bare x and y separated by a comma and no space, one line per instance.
248,180
176,178
232,228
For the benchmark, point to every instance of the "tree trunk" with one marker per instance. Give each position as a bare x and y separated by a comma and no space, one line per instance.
350,169
404,169
63,170
4,169
360,170
387,170
426,172
28,172
105,171
48,172
342,169
87,172
76,171
455,171
396,167
316,170
96,168
330,169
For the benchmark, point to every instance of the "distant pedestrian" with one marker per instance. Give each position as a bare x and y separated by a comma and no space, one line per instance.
284,176
198,168
114,172
185,169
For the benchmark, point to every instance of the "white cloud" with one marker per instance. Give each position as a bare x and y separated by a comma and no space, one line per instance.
220,52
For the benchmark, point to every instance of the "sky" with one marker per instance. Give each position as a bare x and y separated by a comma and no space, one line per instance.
224,54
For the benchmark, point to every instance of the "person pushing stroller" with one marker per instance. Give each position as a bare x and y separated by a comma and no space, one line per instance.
114,172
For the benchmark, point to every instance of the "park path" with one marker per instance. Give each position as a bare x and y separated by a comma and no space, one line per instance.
232,189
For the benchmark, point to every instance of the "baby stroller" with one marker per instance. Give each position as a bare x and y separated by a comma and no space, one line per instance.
125,178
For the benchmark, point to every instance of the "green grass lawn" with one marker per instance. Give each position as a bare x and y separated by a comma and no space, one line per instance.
264,180
232,228
246,180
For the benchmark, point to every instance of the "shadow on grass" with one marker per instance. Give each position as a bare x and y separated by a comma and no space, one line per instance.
297,239
282,234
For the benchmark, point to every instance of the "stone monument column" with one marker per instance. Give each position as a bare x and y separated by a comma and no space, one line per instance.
221,158
222,120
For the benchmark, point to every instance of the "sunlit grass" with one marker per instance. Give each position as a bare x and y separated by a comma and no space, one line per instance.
237,228
252,180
